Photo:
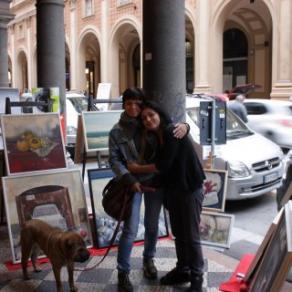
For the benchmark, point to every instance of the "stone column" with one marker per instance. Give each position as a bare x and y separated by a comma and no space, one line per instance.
73,41
164,77
51,46
105,37
5,17
202,55
282,58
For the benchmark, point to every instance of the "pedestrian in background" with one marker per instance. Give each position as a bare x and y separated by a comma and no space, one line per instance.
238,107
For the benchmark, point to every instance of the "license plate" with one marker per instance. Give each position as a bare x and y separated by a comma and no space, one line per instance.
270,177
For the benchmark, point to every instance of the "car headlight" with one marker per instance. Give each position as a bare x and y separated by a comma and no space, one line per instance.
237,169
71,130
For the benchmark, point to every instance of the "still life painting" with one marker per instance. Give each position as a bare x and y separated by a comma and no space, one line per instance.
33,142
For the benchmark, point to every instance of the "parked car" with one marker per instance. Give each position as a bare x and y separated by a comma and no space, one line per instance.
271,118
254,163
50,214
75,103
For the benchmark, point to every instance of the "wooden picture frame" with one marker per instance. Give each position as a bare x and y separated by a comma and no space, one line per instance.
57,197
216,228
104,225
33,142
214,188
79,144
96,128
287,196
288,217
262,248
276,260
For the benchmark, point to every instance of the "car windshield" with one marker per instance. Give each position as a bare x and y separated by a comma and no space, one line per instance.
79,103
235,128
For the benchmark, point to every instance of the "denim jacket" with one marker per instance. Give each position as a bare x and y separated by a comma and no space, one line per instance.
122,149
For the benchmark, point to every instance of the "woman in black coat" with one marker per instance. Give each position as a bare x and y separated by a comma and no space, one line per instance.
182,177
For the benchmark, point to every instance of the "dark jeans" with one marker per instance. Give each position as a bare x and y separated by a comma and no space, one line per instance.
184,212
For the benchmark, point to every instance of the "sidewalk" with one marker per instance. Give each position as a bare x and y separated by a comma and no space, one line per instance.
218,268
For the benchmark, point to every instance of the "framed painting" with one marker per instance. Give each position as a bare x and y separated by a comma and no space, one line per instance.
273,268
288,215
56,197
96,128
262,248
104,225
214,188
33,142
215,229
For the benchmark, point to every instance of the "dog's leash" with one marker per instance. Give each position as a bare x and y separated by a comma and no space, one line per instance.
112,239
143,189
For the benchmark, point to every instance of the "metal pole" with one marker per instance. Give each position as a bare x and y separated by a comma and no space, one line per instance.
213,129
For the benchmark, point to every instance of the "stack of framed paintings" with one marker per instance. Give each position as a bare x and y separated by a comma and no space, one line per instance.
39,184
273,259
215,226
104,225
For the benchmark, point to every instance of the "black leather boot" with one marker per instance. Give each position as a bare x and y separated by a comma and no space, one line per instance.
196,283
124,283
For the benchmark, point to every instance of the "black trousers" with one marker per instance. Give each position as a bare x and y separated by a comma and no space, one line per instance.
184,213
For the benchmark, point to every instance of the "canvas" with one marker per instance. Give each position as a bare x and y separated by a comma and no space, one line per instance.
215,229
103,224
96,128
276,261
288,214
214,189
56,197
32,142
262,248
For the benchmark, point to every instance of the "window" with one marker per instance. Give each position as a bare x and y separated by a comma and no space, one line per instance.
123,2
88,7
255,108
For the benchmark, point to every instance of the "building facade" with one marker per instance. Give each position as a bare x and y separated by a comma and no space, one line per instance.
228,43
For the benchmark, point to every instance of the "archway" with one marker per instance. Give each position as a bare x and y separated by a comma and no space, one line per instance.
254,21
22,73
9,72
126,60
67,68
89,64
190,60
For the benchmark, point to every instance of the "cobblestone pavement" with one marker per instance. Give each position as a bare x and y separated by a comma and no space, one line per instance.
104,277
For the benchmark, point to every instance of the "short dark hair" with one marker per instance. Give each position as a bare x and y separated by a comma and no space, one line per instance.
133,93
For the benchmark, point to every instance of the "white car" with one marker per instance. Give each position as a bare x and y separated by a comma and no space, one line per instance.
254,163
50,213
271,118
75,103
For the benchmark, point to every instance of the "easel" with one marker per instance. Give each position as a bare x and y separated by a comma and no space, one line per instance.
92,107
26,107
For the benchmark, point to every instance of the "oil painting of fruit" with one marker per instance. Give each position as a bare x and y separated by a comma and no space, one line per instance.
32,142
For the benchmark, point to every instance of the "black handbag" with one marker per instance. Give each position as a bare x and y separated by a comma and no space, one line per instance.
117,199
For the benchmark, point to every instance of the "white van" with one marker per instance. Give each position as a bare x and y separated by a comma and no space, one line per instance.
254,163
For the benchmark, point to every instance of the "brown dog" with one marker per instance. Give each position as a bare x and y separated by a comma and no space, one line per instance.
62,248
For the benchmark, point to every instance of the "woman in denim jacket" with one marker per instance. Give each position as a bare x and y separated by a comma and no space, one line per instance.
124,147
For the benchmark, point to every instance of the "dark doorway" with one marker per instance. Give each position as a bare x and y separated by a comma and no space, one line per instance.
136,66
90,77
235,57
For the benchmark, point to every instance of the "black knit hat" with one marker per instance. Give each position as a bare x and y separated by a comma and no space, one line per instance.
133,93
